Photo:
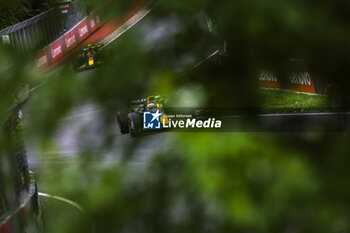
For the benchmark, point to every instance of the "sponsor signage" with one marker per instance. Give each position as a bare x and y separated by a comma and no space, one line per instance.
83,30
301,82
56,50
70,40
98,19
269,80
65,8
42,60
92,23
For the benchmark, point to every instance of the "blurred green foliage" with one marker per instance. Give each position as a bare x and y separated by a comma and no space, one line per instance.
16,11
282,100
200,182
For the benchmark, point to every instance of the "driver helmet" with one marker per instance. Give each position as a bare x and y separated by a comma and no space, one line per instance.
151,105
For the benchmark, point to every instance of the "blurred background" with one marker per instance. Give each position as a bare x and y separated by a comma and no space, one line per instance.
65,166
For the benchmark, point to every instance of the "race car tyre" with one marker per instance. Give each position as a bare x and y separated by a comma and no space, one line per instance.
135,124
122,118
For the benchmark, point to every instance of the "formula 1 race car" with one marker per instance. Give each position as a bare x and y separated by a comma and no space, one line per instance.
132,122
89,58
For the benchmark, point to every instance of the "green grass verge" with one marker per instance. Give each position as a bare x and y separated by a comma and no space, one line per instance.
287,101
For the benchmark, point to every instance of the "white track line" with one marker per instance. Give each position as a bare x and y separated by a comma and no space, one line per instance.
72,203
305,114
207,58
295,114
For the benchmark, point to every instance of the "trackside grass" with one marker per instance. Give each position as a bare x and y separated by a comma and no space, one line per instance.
276,101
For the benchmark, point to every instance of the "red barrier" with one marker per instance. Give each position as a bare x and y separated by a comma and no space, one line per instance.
298,81
42,60
92,22
74,38
269,80
98,20
26,216
301,82
70,40
83,30
56,50
6,227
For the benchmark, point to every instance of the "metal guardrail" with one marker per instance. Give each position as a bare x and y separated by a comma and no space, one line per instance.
26,217
33,33
14,172
40,30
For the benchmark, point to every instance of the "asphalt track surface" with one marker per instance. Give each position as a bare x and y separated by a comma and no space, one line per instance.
81,131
